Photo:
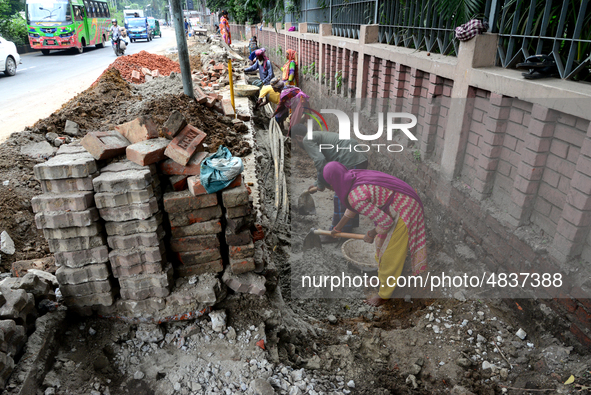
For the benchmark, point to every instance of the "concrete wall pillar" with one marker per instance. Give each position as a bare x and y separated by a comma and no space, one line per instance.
303,27
471,54
279,26
575,222
491,145
429,135
533,160
325,29
368,34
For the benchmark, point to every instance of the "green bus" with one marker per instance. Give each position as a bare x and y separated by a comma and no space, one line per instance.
62,24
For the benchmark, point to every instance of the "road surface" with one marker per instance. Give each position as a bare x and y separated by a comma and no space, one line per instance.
43,83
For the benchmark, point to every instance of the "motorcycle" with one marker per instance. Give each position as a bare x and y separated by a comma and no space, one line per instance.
123,43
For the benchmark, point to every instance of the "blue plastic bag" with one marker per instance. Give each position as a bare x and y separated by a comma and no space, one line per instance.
219,170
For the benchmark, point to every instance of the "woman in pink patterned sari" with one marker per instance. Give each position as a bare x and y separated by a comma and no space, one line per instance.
397,212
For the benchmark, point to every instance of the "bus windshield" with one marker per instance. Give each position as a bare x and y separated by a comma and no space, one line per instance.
49,11
137,22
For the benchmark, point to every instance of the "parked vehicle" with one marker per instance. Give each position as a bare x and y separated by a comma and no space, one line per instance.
154,27
62,24
138,29
9,57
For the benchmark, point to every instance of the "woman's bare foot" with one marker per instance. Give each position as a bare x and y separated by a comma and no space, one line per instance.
375,301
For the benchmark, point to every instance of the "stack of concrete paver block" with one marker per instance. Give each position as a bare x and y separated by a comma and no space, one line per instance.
195,232
70,223
238,220
127,196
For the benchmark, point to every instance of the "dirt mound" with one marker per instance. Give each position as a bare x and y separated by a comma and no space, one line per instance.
218,128
18,185
127,64
90,108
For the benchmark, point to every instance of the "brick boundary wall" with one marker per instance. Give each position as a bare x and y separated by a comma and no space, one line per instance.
487,138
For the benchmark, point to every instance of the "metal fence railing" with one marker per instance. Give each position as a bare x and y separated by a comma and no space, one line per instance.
416,25
560,28
348,15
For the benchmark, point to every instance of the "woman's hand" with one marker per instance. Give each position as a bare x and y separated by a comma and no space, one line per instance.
334,231
370,235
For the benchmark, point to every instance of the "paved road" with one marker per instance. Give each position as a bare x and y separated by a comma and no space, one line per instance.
43,83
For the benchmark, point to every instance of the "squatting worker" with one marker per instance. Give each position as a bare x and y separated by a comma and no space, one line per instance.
265,67
342,151
267,95
397,212
253,45
291,98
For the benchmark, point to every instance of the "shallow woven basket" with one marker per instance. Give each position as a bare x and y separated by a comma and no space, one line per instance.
361,254
245,90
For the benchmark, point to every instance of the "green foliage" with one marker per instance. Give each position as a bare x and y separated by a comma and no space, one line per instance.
13,26
339,78
417,155
461,11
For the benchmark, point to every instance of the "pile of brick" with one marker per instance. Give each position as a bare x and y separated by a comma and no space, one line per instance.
213,76
208,233
141,67
70,221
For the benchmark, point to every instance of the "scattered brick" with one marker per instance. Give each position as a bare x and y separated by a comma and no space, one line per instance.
209,267
147,152
178,183
241,252
132,227
173,126
130,212
240,266
76,231
105,145
116,199
235,197
185,144
192,217
74,201
170,167
196,229
192,258
76,259
238,211
243,117
68,185
194,243
98,272
177,202
75,243
140,129
123,181
238,239
135,77
66,166
66,219
245,283
86,289
195,187
150,239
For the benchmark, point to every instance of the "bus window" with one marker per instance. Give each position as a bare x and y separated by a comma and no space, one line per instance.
101,10
108,11
78,13
96,9
68,14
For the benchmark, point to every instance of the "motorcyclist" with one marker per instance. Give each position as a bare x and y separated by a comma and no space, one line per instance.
115,33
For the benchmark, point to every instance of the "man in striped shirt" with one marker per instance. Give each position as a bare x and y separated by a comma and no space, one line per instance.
342,151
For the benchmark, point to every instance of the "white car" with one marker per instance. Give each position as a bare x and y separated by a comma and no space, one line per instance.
9,57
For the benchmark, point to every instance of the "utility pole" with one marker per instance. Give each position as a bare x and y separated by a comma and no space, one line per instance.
181,42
